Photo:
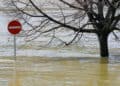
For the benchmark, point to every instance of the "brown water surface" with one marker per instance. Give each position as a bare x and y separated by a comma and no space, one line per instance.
36,71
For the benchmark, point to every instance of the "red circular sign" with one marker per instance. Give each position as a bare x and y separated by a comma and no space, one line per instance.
14,27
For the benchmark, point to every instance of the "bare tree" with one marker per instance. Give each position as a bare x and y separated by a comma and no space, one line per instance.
81,16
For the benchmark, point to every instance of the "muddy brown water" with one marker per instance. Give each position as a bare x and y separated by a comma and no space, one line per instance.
36,71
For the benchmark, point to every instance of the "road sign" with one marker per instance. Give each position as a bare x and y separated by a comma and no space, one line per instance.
14,27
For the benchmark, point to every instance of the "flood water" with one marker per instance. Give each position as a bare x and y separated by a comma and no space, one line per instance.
52,70
36,71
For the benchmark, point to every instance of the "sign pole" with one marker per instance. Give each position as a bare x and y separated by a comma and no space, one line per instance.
14,27
15,47
14,39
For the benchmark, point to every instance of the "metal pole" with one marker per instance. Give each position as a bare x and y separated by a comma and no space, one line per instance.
14,83
15,47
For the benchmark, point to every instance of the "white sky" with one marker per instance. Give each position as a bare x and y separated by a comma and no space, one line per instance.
4,20
3,24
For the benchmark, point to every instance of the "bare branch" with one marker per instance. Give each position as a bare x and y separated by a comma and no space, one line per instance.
72,6
50,18
22,11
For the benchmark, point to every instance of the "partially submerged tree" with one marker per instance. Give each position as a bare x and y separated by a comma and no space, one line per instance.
81,16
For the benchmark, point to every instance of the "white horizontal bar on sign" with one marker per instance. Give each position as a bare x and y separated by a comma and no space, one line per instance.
14,27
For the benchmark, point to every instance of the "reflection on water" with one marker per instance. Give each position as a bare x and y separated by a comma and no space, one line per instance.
59,72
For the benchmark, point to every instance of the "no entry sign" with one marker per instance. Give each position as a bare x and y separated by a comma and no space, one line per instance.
14,27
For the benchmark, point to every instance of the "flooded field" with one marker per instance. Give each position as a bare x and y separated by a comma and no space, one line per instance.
54,65
43,71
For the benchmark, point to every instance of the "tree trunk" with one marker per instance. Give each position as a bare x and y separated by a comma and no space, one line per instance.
103,41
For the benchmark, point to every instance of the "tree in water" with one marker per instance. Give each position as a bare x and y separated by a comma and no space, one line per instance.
100,17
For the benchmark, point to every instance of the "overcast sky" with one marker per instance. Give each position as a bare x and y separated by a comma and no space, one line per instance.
3,24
